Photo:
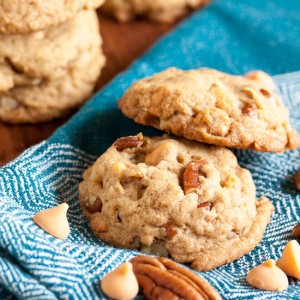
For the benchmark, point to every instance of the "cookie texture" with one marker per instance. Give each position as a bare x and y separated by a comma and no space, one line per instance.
46,74
158,10
213,107
174,197
19,16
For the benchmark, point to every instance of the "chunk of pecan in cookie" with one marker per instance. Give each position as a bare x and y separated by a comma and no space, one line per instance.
95,207
129,142
161,278
171,230
266,93
191,174
250,109
206,205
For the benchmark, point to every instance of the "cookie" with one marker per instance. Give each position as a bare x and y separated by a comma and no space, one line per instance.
174,197
213,107
47,54
27,16
49,73
159,11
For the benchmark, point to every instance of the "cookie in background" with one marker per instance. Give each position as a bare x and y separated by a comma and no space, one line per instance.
22,17
48,73
158,11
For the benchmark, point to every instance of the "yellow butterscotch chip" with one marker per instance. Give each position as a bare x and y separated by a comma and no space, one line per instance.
119,167
54,221
268,276
289,262
120,283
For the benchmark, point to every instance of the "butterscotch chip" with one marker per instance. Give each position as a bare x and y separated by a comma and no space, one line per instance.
54,221
213,107
268,276
175,197
159,10
20,16
289,262
120,283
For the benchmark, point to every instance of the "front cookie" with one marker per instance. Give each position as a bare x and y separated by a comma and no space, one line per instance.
213,107
172,196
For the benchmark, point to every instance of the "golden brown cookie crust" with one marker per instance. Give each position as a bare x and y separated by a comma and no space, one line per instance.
158,11
20,16
213,107
173,196
50,73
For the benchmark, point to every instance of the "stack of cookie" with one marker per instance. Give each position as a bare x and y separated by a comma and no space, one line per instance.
188,197
50,58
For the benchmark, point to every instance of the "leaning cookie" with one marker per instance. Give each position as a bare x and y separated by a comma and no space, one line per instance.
55,77
159,11
213,107
174,197
20,16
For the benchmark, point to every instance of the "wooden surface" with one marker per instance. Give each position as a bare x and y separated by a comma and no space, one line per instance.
122,43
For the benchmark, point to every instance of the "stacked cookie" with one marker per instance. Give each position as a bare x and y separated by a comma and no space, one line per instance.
188,197
50,58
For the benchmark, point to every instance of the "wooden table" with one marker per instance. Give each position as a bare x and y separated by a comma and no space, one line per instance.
122,43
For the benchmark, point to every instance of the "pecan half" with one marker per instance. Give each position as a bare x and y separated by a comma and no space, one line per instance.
129,142
161,278
191,175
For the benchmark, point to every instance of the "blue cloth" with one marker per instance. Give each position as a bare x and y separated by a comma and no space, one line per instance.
232,36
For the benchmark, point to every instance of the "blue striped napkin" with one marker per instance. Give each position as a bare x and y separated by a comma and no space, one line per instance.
232,36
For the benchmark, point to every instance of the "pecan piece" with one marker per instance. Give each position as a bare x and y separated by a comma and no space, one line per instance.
191,175
96,207
171,230
250,110
206,205
297,180
266,93
296,231
161,278
129,142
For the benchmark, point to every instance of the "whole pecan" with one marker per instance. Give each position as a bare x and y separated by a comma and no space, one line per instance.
128,142
191,175
161,278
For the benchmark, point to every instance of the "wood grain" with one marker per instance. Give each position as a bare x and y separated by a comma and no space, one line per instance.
122,44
